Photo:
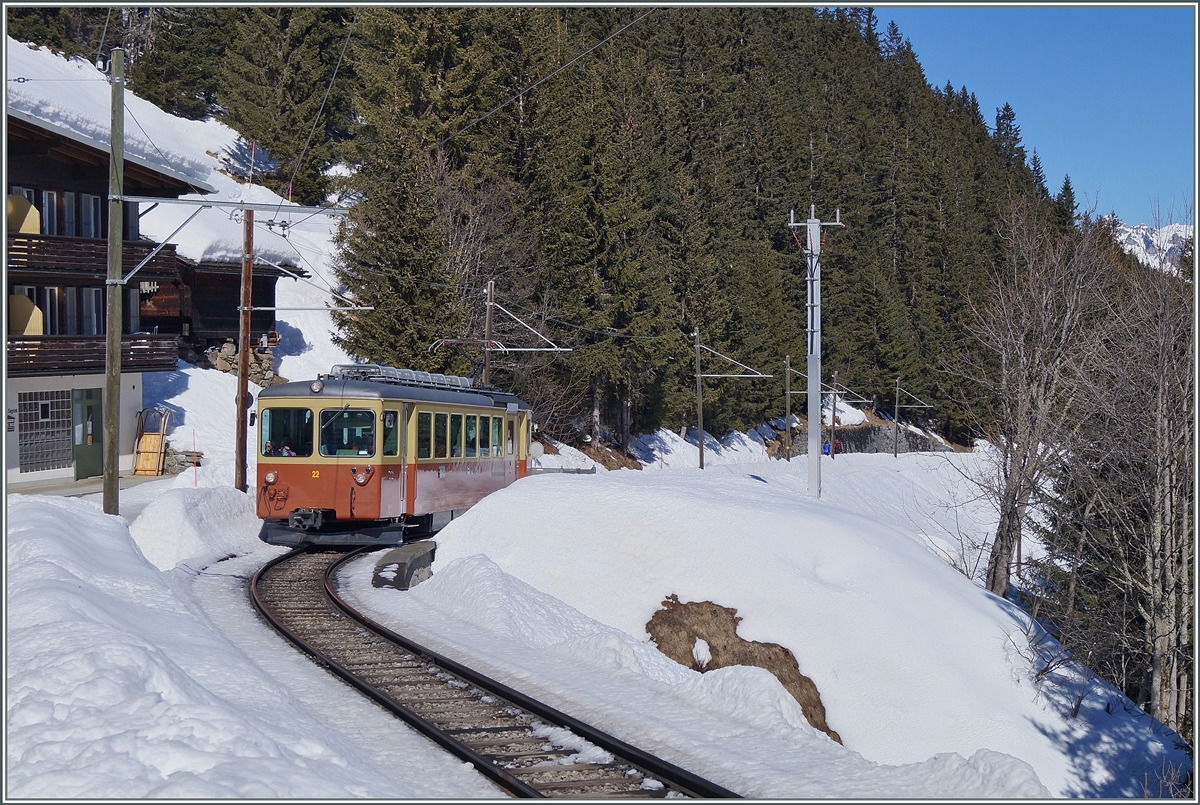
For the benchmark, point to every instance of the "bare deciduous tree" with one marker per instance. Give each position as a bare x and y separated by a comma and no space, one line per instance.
1035,330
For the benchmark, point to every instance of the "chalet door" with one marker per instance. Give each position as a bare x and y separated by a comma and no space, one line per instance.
87,422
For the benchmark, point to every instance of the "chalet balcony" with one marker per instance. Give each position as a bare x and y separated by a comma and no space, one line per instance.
41,355
60,256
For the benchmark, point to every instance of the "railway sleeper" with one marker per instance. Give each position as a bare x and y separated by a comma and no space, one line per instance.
612,783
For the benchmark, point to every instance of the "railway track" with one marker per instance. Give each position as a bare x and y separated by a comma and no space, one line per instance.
524,746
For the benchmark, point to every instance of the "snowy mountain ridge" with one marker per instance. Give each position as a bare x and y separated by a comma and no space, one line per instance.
1156,247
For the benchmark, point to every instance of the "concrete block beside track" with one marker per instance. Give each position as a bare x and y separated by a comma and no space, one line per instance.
406,566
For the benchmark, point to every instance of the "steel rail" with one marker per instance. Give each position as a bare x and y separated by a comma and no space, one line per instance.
496,774
684,781
657,767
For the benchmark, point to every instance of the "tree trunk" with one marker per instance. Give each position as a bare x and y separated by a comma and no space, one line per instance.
1007,533
596,383
626,424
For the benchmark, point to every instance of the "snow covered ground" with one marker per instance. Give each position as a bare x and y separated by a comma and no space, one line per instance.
135,666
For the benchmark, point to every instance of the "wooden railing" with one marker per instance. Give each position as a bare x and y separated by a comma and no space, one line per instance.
41,355
61,253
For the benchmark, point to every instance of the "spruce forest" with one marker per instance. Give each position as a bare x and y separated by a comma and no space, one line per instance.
625,178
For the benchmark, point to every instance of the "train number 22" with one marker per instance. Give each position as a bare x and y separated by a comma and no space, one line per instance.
316,473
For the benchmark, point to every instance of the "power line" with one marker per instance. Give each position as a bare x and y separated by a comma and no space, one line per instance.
317,119
548,76
150,140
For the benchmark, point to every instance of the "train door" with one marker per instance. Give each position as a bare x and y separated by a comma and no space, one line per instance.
392,466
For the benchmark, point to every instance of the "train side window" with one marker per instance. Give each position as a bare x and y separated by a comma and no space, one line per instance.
424,435
471,427
391,433
485,432
347,432
439,434
286,432
497,434
510,437
456,432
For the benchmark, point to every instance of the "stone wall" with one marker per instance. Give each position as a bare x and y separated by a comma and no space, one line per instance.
224,358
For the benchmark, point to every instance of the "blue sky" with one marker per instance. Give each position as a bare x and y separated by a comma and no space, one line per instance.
1106,94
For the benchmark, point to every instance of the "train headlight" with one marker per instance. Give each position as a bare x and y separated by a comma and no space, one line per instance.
316,386
360,479
270,477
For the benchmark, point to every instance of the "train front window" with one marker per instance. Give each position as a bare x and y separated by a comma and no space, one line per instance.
346,432
286,432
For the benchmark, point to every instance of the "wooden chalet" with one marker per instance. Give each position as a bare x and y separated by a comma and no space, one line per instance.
56,263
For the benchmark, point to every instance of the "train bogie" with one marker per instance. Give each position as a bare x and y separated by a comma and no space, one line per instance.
368,455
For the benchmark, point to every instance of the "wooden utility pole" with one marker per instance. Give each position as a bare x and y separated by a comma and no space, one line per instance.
487,334
699,401
113,288
896,420
243,376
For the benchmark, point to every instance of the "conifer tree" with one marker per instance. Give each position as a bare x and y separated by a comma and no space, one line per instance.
178,72
1008,137
1065,206
1039,176
276,72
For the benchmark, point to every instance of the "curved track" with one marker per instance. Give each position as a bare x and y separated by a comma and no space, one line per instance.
524,746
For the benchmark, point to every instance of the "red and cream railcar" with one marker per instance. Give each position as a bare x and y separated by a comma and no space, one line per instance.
369,454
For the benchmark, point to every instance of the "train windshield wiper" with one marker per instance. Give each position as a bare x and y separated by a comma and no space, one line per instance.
329,422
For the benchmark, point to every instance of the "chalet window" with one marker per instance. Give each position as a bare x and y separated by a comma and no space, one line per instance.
48,298
135,302
23,191
129,223
89,216
91,304
71,308
49,212
68,222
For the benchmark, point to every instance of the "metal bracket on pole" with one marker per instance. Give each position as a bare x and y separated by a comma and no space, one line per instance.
755,374
491,345
896,416
156,249
296,276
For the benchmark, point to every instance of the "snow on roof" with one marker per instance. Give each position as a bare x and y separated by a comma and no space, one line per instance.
73,98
